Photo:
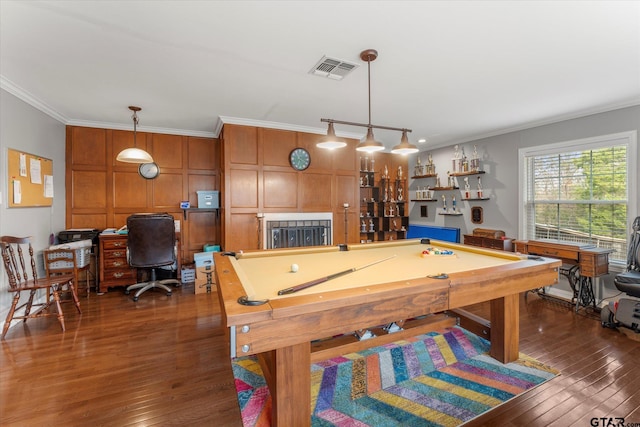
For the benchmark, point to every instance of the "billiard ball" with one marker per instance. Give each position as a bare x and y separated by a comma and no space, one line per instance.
294,268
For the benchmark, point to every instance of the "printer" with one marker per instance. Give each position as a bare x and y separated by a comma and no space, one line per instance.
75,234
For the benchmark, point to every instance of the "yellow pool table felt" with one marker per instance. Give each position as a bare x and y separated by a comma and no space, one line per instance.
264,273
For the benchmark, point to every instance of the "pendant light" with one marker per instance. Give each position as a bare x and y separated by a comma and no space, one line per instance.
405,147
369,144
331,141
134,154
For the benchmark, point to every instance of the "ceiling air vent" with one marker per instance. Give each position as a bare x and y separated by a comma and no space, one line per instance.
332,68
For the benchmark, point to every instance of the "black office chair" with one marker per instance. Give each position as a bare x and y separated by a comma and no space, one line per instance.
626,312
151,244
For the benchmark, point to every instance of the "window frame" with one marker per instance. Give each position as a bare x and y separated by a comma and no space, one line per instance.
629,139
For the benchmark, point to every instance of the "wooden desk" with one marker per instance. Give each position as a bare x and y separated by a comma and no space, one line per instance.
588,262
114,267
280,328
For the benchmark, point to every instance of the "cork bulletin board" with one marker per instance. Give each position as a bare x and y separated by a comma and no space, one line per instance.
30,180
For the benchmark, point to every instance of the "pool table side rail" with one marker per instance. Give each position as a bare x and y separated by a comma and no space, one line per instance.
470,287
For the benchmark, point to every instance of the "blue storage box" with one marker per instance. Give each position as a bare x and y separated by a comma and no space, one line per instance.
208,199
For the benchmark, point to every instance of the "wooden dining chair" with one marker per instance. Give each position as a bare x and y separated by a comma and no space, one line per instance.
17,264
59,262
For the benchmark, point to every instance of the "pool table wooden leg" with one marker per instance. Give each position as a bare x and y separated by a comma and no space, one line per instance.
290,386
505,328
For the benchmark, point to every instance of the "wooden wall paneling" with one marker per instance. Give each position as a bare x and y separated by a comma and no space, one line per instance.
166,190
242,232
88,146
203,154
88,190
129,191
347,186
280,190
244,146
321,159
201,228
347,158
166,151
316,192
98,221
276,146
102,192
243,188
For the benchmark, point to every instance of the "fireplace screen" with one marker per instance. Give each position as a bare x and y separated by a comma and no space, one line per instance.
293,234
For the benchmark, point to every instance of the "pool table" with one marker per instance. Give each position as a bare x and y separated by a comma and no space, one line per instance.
380,283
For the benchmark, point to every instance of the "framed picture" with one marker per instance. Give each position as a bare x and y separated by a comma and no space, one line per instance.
476,215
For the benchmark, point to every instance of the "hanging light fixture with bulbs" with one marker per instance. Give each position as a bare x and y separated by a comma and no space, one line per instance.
369,144
134,154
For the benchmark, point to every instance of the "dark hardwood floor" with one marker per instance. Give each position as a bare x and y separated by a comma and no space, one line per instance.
161,362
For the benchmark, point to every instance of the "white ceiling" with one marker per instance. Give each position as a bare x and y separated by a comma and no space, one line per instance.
451,71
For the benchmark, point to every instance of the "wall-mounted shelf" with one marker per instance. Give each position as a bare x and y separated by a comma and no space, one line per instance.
450,213
424,200
475,198
466,173
433,175
186,211
444,188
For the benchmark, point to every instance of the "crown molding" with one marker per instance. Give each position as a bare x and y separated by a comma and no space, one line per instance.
149,129
281,126
30,99
531,125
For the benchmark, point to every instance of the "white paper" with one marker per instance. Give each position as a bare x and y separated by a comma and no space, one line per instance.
17,192
23,164
48,186
35,168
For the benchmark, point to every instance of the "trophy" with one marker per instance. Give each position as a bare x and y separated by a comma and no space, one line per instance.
479,188
467,193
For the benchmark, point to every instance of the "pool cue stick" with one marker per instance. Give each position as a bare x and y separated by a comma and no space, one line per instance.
329,277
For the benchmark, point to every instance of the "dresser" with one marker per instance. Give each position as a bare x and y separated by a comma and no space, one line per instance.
114,268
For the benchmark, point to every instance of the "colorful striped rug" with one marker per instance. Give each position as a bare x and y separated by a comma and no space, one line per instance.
437,379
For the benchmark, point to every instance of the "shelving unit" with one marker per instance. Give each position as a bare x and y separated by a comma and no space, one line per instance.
383,208
461,167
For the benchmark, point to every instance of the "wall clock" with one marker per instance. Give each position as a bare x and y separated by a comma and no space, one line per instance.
299,159
149,170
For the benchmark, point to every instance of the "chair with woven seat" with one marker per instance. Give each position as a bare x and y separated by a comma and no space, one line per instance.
62,262
151,240
18,259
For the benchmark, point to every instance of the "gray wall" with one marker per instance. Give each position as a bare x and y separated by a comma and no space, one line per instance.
500,161
25,128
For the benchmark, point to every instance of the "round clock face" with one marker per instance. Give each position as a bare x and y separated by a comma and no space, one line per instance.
149,170
300,159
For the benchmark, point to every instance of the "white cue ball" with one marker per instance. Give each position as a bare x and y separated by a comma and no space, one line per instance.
294,268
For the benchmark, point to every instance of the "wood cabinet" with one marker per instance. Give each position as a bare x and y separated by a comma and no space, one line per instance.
114,268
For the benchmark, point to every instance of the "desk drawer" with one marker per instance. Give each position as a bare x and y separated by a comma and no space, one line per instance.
553,252
114,276
115,254
594,265
114,244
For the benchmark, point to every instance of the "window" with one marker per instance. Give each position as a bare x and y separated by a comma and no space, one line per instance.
580,191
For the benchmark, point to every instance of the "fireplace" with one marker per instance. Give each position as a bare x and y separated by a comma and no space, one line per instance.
293,229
